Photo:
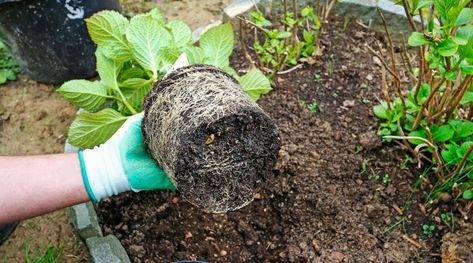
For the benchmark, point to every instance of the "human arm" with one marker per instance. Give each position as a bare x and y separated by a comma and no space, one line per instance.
35,185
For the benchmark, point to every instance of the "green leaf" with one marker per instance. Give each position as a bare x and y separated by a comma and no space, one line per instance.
465,32
231,71
132,72
424,92
84,94
423,3
217,44
259,19
442,133
92,129
156,15
195,55
447,48
417,39
465,17
468,194
418,133
108,69
283,34
463,150
147,39
459,41
464,129
3,76
181,33
467,98
449,154
381,110
255,84
107,29
135,90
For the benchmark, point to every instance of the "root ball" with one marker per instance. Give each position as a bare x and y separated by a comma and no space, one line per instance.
213,141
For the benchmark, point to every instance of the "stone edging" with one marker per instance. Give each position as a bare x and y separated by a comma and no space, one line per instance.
108,249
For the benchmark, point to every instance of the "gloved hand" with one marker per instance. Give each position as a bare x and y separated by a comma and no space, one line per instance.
121,164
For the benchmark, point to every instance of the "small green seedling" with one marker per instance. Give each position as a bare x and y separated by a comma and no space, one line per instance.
447,219
283,47
386,179
428,230
407,159
314,107
317,78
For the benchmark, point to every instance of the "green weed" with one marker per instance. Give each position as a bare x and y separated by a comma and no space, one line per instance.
51,254
8,66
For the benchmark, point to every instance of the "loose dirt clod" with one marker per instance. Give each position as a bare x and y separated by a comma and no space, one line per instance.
213,141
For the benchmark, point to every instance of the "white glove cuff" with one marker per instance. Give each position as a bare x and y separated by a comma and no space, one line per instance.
104,170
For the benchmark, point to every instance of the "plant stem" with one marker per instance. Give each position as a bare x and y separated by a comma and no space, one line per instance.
427,102
125,102
243,45
396,78
409,15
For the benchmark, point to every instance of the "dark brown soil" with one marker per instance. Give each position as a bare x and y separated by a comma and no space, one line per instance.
327,201
213,141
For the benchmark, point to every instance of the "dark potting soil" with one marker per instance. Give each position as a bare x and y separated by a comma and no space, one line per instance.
217,145
327,201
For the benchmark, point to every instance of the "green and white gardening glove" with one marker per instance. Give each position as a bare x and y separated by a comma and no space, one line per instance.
121,164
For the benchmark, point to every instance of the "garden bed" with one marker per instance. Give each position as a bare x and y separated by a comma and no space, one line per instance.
336,191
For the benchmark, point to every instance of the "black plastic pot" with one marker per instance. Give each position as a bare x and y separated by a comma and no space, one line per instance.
49,38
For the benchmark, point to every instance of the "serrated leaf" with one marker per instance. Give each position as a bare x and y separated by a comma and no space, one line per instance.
231,71
3,76
381,110
255,84
92,129
108,69
449,154
424,92
465,17
135,90
466,68
423,3
418,133
459,41
464,149
466,32
467,98
442,133
147,39
156,15
181,33
84,94
464,129
107,28
447,48
217,44
132,72
195,55
417,39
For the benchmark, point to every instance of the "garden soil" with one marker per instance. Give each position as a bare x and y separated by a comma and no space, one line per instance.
34,120
326,201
